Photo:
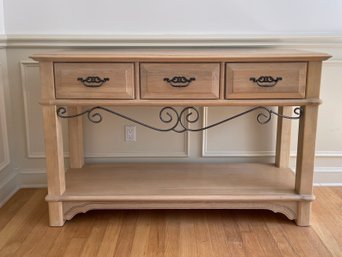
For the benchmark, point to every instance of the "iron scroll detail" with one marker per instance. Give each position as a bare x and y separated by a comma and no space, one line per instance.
93,81
266,81
179,81
179,120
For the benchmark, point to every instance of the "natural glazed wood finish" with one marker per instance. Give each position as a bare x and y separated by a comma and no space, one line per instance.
184,102
291,85
204,86
160,186
47,81
120,84
93,188
283,144
184,55
53,146
306,144
75,133
221,74
179,181
54,162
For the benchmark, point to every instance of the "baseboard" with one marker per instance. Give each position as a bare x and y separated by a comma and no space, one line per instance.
327,184
32,179
8,188
328,177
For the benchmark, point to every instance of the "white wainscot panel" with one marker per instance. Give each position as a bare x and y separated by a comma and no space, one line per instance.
240,137
329,135
329,128
30,80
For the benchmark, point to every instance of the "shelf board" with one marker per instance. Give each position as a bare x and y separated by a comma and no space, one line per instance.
180,182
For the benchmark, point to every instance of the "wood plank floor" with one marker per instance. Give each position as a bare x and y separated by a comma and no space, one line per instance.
201,233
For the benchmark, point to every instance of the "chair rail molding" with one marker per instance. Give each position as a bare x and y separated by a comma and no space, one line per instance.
38,41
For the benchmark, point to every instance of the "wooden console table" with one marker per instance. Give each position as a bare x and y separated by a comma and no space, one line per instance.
90,83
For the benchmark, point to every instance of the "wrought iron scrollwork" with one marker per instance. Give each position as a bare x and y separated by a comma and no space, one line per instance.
266,116
179,81
93,81
266,81
179,120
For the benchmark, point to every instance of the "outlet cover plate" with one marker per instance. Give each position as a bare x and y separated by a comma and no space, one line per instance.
130,133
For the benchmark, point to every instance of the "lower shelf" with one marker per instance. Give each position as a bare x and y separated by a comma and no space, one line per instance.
153,186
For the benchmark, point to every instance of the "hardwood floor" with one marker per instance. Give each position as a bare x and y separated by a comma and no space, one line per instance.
24,231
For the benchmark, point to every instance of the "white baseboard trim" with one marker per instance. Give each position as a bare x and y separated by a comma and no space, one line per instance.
8,196
32,178
326,170
8,188
328,184
330,176
34,186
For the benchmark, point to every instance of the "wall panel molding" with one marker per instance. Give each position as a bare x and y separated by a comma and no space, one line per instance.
23,66
3,123
247,153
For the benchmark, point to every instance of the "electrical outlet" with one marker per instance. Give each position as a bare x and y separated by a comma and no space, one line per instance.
130,133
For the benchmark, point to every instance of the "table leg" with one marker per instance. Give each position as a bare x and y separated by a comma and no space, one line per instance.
305,161
54,163
76,148
283,145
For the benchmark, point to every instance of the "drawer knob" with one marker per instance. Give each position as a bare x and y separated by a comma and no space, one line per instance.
266,81
93,81
179,81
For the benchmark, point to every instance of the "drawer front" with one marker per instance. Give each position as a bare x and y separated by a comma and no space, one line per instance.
265,80
179,80
94,80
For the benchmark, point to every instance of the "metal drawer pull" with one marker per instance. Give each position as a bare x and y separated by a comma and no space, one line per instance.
179,81
93,81
266,81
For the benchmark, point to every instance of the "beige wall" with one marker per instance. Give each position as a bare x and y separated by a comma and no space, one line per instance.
21,134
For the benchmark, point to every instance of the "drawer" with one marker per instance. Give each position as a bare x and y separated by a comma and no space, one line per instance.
265,80
179,80
94,80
